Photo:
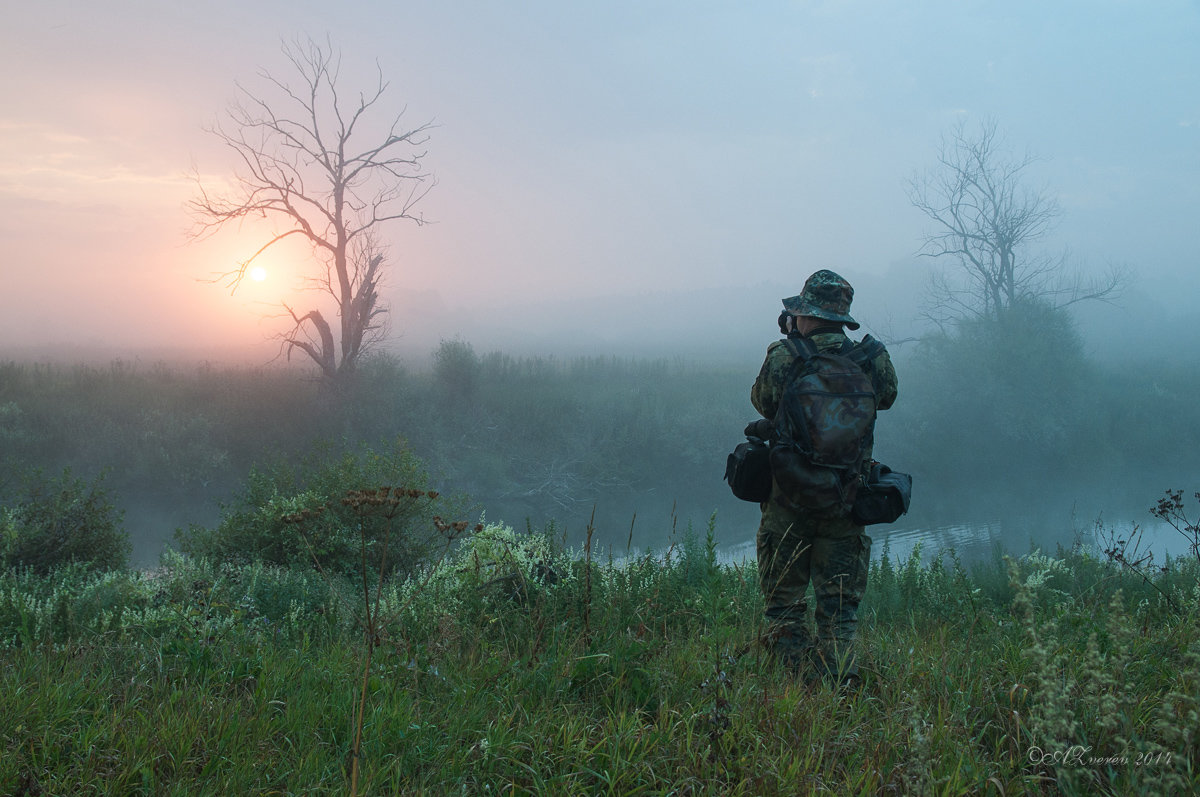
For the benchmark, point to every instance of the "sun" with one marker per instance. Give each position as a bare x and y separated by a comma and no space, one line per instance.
258,273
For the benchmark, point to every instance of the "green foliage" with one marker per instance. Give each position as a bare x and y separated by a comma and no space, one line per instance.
186,602
545,438
632,714
903,590
16,440
62,521
202,677
525,437
456,370
1018,381
301,513
1083,678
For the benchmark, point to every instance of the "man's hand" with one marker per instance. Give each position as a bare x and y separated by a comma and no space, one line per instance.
763,429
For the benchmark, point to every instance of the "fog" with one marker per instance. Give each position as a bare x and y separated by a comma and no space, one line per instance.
589,158
618,179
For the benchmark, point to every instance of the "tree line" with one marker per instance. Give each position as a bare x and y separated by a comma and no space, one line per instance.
983,421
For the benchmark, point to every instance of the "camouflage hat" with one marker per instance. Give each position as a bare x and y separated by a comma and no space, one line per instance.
825,295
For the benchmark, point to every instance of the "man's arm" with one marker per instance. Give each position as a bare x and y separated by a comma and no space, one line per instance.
768,387
883,377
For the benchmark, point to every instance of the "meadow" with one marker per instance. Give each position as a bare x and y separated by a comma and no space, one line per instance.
512,664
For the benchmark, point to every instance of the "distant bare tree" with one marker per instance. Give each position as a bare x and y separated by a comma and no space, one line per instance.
315,165
986,218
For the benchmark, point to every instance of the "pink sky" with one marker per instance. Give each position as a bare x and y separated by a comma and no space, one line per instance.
614,150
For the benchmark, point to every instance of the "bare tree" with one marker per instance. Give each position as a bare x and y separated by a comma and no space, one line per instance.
315,164
986,218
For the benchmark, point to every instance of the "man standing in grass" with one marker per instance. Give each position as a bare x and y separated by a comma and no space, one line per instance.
797,546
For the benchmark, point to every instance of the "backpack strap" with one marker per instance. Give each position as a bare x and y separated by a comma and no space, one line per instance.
863,352
802,349
860,353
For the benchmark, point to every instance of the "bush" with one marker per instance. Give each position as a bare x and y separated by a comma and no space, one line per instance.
455,370
60,522
311,512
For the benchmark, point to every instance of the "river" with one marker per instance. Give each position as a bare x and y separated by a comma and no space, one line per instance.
979,539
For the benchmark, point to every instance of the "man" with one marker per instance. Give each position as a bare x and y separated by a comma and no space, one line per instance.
796,547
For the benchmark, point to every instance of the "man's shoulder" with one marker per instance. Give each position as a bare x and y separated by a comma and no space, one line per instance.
829,340
777,363
779,350
779,355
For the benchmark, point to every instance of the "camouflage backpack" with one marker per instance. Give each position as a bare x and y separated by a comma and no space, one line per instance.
824,426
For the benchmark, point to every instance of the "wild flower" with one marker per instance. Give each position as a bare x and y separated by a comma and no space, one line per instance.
493,554
1039,572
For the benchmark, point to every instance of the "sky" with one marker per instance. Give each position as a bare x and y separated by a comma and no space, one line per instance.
609,175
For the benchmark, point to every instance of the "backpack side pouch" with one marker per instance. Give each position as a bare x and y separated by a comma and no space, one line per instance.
748,470
884,498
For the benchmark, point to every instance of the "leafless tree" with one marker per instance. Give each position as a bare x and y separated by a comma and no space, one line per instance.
314,162
985,217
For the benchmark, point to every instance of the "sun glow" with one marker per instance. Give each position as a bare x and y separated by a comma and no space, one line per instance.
258,273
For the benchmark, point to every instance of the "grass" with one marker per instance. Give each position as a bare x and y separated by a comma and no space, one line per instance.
515,667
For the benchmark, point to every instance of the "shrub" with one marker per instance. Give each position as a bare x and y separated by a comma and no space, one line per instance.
455,370
492,560
304,513
63,521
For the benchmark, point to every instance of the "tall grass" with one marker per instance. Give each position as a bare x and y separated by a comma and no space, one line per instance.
1037,674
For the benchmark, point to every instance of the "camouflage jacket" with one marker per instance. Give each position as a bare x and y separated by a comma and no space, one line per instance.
768,388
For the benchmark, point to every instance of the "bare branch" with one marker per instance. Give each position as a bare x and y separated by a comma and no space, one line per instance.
317,166
322,350
985,218
236,276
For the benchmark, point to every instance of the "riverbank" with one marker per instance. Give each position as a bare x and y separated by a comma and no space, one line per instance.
516,666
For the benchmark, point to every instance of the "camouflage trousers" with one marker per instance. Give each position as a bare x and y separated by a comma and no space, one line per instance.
795,550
